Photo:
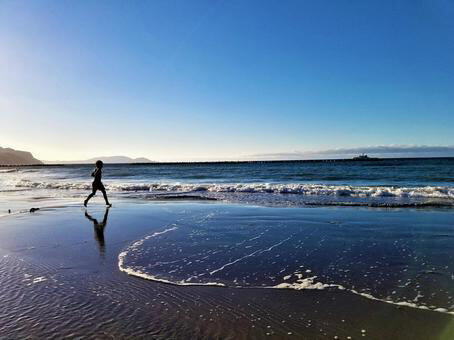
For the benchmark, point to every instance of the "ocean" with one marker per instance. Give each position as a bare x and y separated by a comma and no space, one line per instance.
285,239
386,182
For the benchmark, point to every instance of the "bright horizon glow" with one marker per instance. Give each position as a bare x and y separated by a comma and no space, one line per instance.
213,80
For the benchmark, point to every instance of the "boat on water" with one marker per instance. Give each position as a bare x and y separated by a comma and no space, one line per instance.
364,157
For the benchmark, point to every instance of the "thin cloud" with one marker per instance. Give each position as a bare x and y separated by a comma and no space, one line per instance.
385,151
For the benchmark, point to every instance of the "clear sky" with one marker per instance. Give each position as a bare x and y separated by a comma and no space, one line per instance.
187,80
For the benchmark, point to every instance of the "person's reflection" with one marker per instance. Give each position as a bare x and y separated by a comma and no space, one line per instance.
99,230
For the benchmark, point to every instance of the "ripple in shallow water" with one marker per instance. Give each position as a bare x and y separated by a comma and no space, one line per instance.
388,262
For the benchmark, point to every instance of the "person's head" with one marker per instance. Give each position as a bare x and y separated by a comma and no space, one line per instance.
99,164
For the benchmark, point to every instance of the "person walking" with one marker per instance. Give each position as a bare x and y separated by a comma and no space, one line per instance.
97,184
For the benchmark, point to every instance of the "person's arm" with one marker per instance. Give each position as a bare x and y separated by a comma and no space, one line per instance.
93,174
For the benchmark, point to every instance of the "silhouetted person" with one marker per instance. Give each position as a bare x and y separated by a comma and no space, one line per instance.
98,228
97,184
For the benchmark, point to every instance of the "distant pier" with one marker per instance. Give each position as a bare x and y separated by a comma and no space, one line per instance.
339,160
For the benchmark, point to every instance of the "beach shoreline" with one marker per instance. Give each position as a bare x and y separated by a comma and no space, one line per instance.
57,273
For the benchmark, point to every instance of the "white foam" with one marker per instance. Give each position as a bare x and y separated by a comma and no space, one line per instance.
6,171
310,283
235,261
301,283
276,245
139,273
288,188
306,283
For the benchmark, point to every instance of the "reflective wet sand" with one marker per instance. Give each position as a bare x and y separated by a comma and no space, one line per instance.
57,280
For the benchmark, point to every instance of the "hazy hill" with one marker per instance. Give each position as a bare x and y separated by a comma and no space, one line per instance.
10,156
107,159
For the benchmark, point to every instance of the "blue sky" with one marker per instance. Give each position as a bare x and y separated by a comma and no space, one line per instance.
189,80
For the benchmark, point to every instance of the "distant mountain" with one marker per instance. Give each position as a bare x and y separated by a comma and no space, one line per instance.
10,156
106,159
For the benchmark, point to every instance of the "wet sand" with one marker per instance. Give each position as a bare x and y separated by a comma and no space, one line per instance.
60,277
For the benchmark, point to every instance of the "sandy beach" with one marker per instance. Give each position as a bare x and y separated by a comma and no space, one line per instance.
61,277
226,170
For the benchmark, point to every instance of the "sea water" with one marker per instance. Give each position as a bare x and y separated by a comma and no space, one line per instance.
399,257
387,182
390,251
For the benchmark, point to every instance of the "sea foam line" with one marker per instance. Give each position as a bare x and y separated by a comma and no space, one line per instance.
309,283
286,188
300,284
259,251
143,275
233,262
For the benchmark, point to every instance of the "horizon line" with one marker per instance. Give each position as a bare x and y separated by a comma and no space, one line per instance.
315,160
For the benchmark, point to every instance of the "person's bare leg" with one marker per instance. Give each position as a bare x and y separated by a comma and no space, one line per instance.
88,198
106,214
105,197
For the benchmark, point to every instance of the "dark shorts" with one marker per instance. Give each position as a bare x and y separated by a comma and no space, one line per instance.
97,186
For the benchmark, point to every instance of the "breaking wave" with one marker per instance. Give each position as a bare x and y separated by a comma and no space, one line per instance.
443,192
7,171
